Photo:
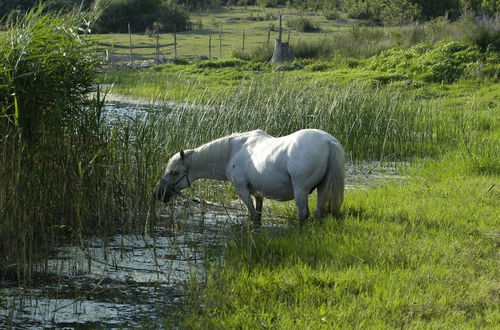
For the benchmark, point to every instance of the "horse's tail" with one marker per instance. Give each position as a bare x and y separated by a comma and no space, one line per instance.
332,186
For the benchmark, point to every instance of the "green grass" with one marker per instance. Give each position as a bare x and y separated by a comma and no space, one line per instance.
233,21
350,39
420,253
411,254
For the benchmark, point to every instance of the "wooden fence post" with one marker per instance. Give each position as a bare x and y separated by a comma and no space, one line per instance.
175,42
157,44
220,42
210,47
282,50
130,43
243,48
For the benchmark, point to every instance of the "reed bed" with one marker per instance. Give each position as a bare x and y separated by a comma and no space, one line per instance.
372,122
67,172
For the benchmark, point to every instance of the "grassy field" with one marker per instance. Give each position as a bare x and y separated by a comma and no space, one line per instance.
413,255
422,252
233,21
419,253
223,30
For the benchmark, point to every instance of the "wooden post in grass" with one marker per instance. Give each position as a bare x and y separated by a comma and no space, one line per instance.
243,47
210,47
175,42
130,44
282,50
220,42
157,28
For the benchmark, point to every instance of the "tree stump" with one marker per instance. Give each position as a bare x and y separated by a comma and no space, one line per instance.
282,52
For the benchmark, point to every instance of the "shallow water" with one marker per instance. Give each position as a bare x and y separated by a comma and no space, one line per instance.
122,281
137,280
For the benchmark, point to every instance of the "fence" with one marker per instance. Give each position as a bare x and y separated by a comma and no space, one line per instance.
112,52
124,51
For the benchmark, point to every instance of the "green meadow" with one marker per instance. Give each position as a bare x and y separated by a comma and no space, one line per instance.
226,27
421,252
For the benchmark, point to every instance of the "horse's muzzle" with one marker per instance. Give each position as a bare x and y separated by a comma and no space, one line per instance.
162,194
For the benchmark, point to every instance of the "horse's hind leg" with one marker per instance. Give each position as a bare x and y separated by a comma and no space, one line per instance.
321,207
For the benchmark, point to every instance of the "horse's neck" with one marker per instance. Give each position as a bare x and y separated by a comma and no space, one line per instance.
210,160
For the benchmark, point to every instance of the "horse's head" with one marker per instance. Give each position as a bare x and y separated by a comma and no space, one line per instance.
175,179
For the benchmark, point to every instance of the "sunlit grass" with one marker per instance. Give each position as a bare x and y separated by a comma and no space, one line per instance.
410,254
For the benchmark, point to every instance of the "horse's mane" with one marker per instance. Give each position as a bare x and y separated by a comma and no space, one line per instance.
215,151
219,150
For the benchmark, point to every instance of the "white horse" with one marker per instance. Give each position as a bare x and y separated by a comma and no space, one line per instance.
259,165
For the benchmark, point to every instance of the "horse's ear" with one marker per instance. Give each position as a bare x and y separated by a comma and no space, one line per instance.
183,155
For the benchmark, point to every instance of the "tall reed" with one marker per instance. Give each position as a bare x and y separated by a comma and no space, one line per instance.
372,122
64,172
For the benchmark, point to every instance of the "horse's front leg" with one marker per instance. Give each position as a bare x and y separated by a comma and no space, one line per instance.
244,194
258,205
301,199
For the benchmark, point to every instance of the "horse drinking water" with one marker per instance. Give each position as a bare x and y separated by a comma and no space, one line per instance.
259,165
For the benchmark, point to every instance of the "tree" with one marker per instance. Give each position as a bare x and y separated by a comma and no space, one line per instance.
141,14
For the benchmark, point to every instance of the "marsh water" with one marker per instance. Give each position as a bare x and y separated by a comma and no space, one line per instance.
138,280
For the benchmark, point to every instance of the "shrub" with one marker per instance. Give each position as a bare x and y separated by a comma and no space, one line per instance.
313,49
445,62
141,14
258,54
331,14
483,32
301,24
227,63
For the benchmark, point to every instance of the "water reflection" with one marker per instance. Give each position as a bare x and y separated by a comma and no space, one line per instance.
122,281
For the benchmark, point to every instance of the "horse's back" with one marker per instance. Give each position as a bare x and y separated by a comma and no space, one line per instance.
308,145
273,166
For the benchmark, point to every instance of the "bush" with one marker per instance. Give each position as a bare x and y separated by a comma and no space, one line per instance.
47,70
141,14
259,54
483,32
301,24
313,49
331,14
217,64
444,62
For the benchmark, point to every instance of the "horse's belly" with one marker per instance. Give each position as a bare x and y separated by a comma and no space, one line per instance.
280,191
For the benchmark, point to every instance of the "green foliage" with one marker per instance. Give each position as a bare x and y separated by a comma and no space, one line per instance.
140,14
331,14
8,6
62,168
445,62
483,32
45,55
261,53
227,63
49,133
301,24
412,254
